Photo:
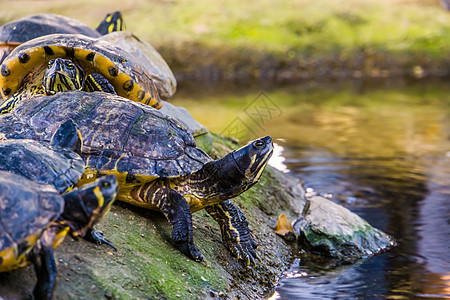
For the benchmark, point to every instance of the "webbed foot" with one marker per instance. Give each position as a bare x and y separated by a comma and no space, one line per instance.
96,236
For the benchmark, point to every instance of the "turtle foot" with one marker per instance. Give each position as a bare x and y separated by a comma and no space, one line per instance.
96,236
191,251
244,251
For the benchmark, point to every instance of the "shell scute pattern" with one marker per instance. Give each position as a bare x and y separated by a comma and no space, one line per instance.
136,166
24,219
30,27
62,169
109,125
164,139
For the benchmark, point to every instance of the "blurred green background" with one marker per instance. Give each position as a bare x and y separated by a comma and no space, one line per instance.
277,40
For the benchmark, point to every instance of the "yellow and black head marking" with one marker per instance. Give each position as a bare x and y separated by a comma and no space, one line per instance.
90,55
112,22
88,204
156,163
63,75
19,31
35,218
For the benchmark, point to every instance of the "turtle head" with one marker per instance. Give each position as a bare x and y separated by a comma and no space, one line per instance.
112,22
251,159
239,170
86,205
62,75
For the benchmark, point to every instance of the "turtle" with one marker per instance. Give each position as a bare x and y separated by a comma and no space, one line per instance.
29,27
155,160
61,62
57,163
35,218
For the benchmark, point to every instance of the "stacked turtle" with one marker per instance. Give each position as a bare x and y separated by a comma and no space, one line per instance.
27,28
153,156
39,206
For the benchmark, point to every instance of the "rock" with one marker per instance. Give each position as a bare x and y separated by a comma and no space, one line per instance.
335,231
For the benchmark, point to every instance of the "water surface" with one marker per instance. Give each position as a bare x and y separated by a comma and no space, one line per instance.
382,151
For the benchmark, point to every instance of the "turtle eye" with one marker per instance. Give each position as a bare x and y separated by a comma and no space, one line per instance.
106,184
259,144
70,66
50,63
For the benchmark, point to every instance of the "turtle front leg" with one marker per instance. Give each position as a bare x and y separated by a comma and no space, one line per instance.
235,232
178,212
45,266
97,83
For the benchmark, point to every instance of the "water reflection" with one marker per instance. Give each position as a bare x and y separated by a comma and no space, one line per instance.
278,160
322,279
382,153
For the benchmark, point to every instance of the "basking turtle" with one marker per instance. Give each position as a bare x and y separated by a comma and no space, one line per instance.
27,28
57,163
61,62
35,218
154,159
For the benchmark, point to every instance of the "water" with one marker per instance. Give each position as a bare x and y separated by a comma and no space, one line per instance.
382,151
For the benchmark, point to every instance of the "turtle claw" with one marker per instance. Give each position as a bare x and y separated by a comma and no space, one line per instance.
191,251
195,254
96,236
244,251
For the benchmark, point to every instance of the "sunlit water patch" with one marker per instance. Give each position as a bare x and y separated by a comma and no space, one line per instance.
384,154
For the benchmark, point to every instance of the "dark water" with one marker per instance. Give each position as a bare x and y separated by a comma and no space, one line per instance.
384,153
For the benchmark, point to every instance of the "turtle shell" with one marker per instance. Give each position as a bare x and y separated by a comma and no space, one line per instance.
59,167
119,136
33,26
28,208
150,61
93,55
27,28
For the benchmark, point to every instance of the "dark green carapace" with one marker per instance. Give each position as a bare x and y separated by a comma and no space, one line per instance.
29,27
57,163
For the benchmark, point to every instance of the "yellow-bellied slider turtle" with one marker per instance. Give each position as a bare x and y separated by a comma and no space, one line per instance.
27,28
57,163
35,218
60,62
155,160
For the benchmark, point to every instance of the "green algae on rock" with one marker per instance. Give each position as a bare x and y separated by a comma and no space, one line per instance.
334,231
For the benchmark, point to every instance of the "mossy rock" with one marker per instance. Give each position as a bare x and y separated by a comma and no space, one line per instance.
147,266
334,231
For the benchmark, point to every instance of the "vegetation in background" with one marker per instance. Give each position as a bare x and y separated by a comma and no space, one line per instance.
280,40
